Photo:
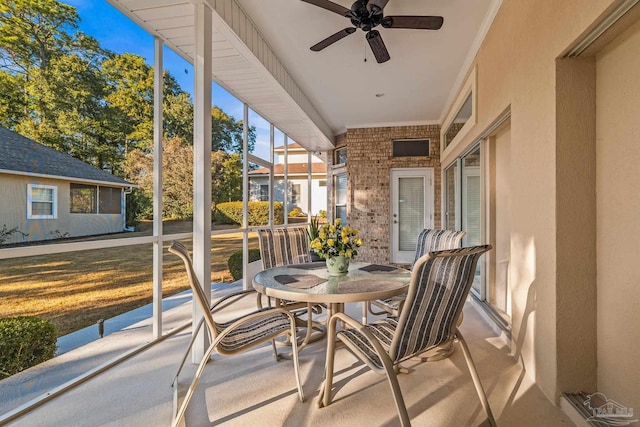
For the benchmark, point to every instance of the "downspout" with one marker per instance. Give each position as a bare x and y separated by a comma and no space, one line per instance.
124,210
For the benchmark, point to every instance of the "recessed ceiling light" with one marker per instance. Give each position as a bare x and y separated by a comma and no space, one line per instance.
379,95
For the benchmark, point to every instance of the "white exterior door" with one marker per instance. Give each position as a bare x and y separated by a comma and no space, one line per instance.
411,210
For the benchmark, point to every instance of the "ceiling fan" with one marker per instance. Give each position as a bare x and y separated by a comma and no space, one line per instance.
368,14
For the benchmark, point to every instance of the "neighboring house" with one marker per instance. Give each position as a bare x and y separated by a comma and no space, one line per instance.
297,177
48,194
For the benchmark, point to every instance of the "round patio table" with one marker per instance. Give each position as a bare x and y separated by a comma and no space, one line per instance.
312,283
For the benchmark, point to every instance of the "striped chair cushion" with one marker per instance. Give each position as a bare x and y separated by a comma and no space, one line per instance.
428,241
435,301
383,330
252,332
438,290
437,240
273,247
298,242
284,246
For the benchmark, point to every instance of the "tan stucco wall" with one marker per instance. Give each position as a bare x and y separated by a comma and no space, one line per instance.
13,213
618,225
516,70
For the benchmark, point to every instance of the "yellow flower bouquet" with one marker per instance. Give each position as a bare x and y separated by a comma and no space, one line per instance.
335,240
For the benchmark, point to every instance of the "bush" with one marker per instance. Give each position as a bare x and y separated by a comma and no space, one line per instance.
25,342
235,262
296,212
231,213
139,207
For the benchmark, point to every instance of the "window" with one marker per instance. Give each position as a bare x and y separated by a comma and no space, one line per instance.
461,119
410,147
110,200
451,192
264,193
42,201
341,197
83,198
463,204
462,115
340,156
295,195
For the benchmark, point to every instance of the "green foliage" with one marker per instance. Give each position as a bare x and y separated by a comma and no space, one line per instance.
322,213
235,262
177,161
227,133
25,342
314,228
139,207
226,177
231,213
62,89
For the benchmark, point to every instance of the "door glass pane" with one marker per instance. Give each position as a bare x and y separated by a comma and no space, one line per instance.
410,211
341,197
450,195
471,205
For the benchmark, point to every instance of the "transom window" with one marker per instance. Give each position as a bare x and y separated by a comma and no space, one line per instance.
340,156
42,201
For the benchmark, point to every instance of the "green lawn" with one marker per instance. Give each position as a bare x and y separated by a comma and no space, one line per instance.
76,289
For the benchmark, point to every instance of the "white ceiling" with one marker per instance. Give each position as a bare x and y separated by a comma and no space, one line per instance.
416,82
261,54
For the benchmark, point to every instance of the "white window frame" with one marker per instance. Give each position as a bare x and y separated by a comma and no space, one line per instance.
54,202
468,89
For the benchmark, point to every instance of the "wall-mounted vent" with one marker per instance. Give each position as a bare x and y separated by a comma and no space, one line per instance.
411,147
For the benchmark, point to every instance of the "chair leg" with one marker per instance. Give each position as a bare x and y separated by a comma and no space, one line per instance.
296,363
476,379
395,388
192,387
325,393
275,350
365,304
194,335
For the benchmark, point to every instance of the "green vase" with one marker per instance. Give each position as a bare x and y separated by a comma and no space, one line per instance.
338,266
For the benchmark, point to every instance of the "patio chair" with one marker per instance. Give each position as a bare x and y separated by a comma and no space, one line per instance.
428,241
440,283
286,246
233,336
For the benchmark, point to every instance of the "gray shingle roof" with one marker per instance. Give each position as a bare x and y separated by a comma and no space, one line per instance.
26,156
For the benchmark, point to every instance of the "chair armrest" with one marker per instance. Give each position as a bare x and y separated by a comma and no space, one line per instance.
253,316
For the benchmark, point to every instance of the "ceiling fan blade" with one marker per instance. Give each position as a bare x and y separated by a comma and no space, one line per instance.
414,22
377,46
331,6
332,39
376,4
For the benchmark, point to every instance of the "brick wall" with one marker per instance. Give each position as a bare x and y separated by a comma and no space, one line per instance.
369,153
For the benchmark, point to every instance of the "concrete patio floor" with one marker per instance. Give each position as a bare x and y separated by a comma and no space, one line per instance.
253,389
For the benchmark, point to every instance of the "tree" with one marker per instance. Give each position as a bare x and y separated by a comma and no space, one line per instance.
227,133
59,87
177,163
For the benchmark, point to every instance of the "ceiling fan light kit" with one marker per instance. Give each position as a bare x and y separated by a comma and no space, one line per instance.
368,14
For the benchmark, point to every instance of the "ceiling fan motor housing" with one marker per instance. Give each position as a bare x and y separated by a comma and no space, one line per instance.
363,18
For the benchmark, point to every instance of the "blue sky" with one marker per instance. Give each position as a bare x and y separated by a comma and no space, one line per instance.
118,33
